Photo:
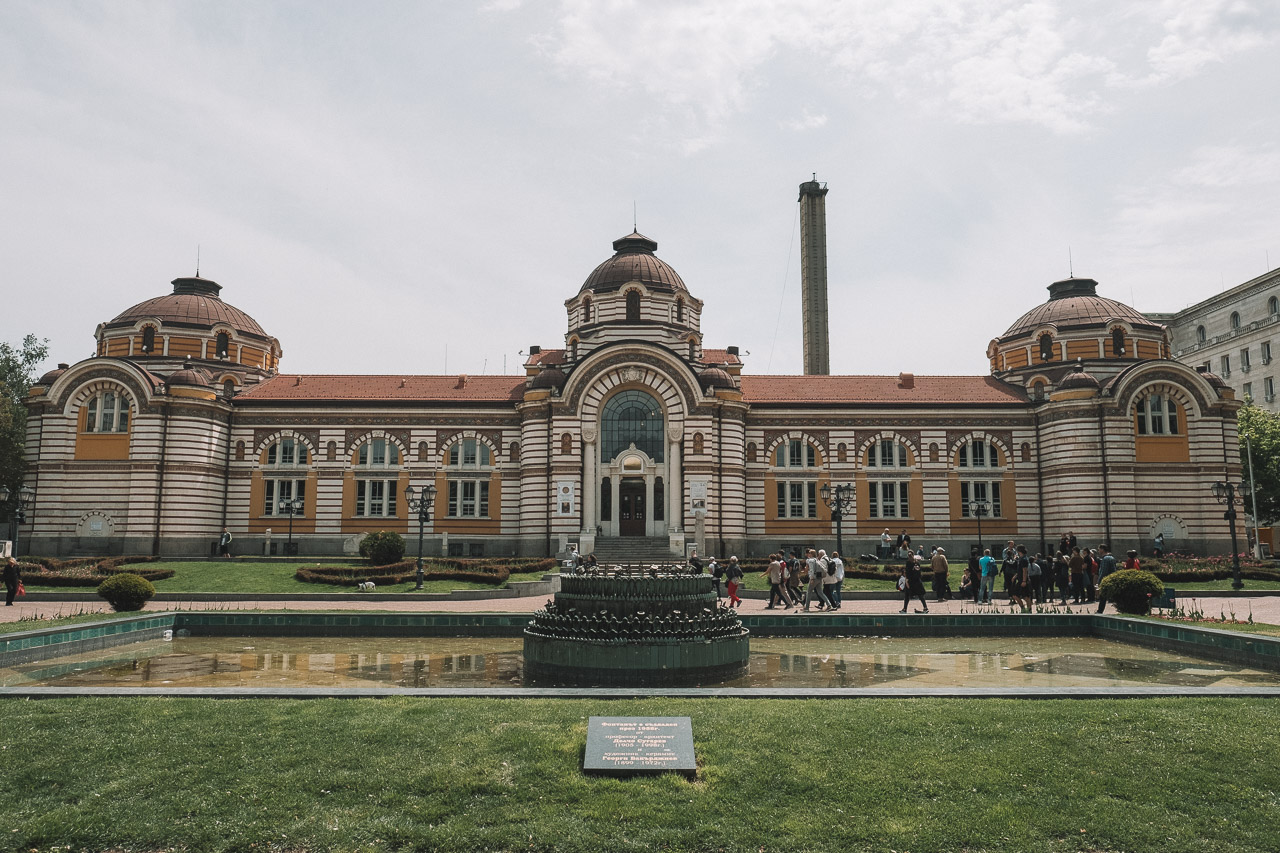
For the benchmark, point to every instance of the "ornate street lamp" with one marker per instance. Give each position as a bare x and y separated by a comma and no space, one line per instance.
421,504
1231,494
290,508
25,497
978,509
839,500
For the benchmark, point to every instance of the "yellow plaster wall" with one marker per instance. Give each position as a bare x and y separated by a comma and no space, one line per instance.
112,446
1162,448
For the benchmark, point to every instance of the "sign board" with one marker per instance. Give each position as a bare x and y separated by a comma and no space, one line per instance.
565,502
698,495
624,746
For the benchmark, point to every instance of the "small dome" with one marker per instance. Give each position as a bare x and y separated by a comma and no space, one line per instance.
194,302
715,377
1213,379
52,376
549,377
1078,378
189,375
634,260
1074,302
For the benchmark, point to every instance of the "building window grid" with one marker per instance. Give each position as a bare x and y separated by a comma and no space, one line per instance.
888,499
795,453
631,417
1266,352
469,453
1244,360
287,451
980,490
1268,390
797,499
1226,366
978,454
887,453
282,489
468,498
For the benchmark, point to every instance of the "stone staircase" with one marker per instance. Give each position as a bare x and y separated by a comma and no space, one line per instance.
643,550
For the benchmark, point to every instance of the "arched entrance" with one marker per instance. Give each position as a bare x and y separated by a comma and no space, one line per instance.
632,462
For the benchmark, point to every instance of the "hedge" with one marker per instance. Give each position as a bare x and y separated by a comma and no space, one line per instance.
494,572
87,571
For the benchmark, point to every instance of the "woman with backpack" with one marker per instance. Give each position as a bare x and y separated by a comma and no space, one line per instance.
914,585
733,578
817,574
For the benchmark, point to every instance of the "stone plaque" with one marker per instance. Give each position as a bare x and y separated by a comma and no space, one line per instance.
623,746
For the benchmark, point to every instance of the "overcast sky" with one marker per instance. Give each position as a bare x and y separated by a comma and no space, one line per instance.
379,183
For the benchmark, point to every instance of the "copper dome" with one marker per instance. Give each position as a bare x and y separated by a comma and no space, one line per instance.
549,377
1074,302
194,302
1078,378
634,261
189,375
715,377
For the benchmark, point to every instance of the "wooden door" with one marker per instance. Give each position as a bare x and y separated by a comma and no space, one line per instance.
632,512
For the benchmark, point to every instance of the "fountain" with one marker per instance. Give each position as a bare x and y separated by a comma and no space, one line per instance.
628,625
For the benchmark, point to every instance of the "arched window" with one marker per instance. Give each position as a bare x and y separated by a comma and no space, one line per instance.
586,310
148,339
887,453
1156,414
422,451
107,411
693,349
1025,452
752,452
977,453
377,478
573,350
284,477
229,388
468,489
1046,347
1201,335
1273,306
679,310
795,453
239,451
331,451
566,444
633,306
697,443
1235,320
513,451
933,451
1117,341
1037,391
631,417
842,453
224,344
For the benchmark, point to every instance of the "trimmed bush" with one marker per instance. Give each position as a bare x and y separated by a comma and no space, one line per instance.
490,571
126,591
382,547
1131,590
87,571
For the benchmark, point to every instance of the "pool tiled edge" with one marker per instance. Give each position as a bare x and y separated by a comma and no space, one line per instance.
27,646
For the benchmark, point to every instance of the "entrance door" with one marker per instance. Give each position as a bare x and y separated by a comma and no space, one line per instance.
631,512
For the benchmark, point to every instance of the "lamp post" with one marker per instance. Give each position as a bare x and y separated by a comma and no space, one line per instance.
1231,494
839,500
978,509
290,508
421,504
25,497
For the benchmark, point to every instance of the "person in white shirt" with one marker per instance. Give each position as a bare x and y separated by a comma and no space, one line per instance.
831,583
817,574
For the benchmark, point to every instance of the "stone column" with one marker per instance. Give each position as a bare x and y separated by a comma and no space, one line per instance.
649,523
590,491
675,478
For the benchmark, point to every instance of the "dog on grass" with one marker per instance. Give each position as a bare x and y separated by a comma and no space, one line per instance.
366,586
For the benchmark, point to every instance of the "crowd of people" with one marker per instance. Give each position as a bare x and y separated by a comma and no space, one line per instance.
1072,570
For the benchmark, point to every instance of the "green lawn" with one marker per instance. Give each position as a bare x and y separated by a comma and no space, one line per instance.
266,576
1164,775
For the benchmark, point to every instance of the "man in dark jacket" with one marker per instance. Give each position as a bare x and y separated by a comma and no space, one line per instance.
12,577
1106,565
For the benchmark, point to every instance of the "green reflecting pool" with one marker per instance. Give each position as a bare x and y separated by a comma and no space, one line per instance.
478,662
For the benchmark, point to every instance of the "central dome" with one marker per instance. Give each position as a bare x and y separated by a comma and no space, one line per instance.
634,260
194,302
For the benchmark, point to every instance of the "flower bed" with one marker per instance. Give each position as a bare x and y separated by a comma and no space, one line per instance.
492,572
87,571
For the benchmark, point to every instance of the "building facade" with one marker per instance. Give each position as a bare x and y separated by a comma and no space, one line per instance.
630,433
1232,334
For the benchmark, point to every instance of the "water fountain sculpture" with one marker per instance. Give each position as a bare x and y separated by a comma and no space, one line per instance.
635,626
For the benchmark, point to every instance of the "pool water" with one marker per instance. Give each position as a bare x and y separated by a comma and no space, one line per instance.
883,662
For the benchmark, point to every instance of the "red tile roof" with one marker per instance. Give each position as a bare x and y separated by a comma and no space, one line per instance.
327,387
880,390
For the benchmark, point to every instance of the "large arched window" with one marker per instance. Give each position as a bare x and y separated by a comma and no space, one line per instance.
107,411
284,475
1201,334
1235,320
631,417
633,306
148,339
377,478
1046,347
223,344
1156,414
1117,341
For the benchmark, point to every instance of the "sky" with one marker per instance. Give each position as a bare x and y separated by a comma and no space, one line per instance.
416,187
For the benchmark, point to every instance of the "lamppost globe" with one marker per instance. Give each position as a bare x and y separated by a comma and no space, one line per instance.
4,494
1219,490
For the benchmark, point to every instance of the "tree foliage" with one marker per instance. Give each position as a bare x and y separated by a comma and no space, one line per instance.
17,372
1263,429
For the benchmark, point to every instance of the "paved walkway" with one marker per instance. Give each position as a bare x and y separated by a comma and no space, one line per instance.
1264,608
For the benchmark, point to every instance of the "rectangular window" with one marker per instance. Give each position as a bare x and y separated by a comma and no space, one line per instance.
1266,352
467,498
1268,389
108,423
362,457
360,496
91,417
888,500
1244,359
377,497
798,499
469,451
1156,406
379,452
1226,366
977,490
269,497
282,490
979,454
1248,390
286,452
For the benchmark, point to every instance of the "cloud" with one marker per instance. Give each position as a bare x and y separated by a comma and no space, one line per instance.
805,121
1047,64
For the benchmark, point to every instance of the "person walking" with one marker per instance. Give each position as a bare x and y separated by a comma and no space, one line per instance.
975,572
717,573
836,591
817,574
733,579
1062,574
793,575
1077,576
224,544
1106,565
777,575
915,587
1020,593
941,581
12,580
988,568
829,580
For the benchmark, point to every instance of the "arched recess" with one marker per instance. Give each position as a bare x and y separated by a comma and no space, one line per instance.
1006,459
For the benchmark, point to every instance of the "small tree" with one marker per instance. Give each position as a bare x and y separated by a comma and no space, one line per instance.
382,547
1263,429
1131,590
126,591
17,373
